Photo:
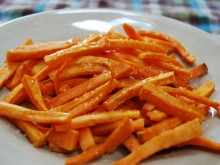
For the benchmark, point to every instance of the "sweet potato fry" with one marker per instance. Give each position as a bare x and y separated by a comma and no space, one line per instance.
54,148
16,96
32,88
21,113
107,128
89,105
67,140
92,153
97,118
203,142
36,137
180,134
157,115
75,51
38,67
184,54
169,104
85,87
158,128
143,45
24,68
133,90
199,70
122,132
79,70
6,71
118,136
38,50
131,143
192,95
86,97
86,139
205,89
133,34
154,57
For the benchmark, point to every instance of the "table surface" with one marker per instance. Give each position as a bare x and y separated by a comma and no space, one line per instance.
204,14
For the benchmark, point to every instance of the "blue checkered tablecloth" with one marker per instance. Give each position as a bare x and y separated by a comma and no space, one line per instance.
204,14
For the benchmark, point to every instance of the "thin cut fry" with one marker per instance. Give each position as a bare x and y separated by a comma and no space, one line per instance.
67,140
143,45
169,104
84,87
37,50
131,143
158,128
122,132
133,90
33,133
86,139
192,95
96,118
187,56
6,71
21,113
157,115
203,142
32,88
24,68
180,134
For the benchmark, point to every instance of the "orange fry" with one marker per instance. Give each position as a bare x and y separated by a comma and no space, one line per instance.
154,57
180,134
85,87
24,68
204,143
86,139
186,56
192,95
131,143
38,50
199,70
33,133
33,90
97,118
169,104
121,133
74,51
133,90
158,128
143,45
6,71
67,140
18,112
205,89
16,96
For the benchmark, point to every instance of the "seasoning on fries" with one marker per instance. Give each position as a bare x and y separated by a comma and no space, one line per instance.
95,94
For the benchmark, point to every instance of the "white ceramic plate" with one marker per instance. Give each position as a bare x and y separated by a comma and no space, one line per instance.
57,25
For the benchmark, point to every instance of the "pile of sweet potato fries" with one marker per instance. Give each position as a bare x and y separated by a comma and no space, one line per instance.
95,94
